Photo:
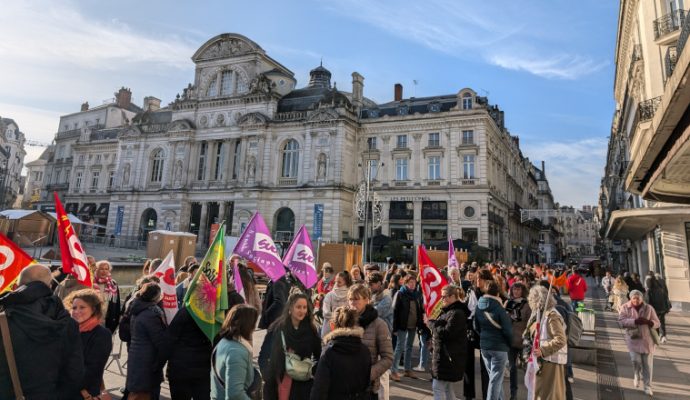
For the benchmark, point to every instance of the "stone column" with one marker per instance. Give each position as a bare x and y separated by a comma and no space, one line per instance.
203,226
221,211
385,223
417,221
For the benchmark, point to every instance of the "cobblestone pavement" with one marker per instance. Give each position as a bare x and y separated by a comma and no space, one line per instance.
671,365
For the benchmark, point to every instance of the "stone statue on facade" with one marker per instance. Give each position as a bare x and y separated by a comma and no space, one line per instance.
321,167
251,168
125,176
177,176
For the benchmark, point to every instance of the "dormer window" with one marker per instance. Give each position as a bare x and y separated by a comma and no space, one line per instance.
373,113
434,107
467,101
227,82
403,110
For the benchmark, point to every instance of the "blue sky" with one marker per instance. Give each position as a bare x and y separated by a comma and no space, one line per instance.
547,64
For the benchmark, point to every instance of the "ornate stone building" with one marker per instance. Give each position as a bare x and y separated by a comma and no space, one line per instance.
243,138
12,155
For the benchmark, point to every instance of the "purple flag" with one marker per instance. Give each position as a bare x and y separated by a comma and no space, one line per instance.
452,261
256,245
300,258
239,287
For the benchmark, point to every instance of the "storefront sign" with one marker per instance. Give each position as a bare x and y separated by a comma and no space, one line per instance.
411,198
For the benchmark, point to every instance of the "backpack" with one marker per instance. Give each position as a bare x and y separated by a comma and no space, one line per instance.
574,329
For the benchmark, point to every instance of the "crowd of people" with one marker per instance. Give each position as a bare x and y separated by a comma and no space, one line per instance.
346,338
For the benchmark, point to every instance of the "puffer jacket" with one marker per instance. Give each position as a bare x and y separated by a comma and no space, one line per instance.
378,340
449,338
345,352
627,316
144,369
492,337
186,349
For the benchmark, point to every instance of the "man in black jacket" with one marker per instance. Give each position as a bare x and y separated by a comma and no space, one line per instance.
40,326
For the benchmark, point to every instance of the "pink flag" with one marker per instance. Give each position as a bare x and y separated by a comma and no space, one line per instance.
256,245
300,258
239,287
166,273
452,260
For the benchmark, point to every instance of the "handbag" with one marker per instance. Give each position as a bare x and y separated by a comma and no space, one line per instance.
297,368
9,353
634,333
655,335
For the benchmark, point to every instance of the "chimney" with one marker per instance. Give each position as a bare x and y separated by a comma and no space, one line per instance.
398,92
357,89
123,97
151,103
85,106
543,169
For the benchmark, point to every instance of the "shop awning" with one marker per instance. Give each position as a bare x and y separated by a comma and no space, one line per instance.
635,223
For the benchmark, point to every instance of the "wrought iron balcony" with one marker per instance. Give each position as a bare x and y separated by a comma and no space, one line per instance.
669,23
683,37
670,60
647,108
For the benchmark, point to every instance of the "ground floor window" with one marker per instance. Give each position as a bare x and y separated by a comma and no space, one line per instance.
434,232
402,231
470,234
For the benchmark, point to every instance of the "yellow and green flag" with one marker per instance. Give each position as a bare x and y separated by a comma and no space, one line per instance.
207,295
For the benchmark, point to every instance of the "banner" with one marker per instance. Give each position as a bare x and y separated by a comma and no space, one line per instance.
432,283
207,295
239,286
166,273
300,259
559,281
256,245
73,256
12,261
452,260
318,221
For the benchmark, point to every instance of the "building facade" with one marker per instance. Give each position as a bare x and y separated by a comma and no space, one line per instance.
12,155
244,138
643,226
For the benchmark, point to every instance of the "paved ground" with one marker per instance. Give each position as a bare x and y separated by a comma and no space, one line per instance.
605,382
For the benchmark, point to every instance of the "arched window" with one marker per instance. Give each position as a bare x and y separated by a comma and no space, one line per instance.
157,158
227,83
290,159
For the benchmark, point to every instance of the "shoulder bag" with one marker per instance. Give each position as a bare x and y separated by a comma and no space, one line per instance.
297,368
9,353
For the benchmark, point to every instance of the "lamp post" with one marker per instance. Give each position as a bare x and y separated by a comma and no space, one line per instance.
4,172
364,198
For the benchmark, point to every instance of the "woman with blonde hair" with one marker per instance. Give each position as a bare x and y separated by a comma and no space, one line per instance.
619,293
88,309
553,344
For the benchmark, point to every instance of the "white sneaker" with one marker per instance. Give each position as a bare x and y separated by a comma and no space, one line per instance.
571,379
648,391
636,381
663,340
419,368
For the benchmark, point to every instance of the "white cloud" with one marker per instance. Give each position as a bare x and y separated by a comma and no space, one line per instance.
573,168
460,29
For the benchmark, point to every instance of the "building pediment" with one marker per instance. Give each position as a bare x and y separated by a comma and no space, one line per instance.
323,115
226,45
181,125
253,119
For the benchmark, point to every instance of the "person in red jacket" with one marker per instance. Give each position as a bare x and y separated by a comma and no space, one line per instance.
577,287
325,284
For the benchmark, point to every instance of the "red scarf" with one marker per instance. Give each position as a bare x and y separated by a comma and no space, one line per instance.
89,324
109,285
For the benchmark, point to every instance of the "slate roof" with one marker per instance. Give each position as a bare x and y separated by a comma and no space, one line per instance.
309,98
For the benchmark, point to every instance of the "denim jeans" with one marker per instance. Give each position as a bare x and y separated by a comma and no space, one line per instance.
443,390
495,362
424,352
643,367
403,345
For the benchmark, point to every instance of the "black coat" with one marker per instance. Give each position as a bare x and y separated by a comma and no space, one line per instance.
449,342
46,344
276,297
345,352
186,349
144,370
97,344
657,296
401,309
303,341
112,316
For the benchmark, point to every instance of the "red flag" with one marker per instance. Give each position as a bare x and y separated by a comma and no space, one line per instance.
12,261
73,257
432,282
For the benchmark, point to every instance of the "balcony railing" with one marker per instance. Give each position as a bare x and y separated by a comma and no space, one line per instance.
670,60
683,37
647,108
668,23
287,181
283,236
469,182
